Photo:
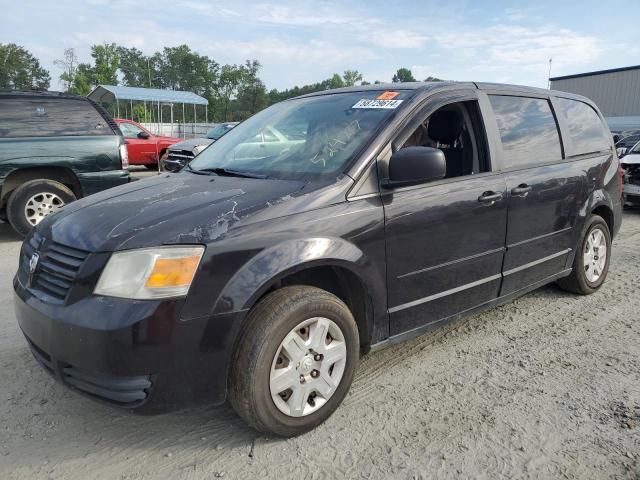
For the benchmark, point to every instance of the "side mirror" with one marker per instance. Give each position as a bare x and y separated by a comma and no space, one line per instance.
143,135
413,165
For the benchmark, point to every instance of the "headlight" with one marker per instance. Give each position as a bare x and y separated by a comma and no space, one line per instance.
150,273
198,148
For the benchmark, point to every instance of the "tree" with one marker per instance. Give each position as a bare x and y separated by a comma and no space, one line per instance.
336,81
135,67
432,79
179,68
82,80
69,65
252,94
19,69
229,81
403,75
106,63
350,77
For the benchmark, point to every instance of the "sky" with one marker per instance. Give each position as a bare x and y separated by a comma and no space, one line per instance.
300,42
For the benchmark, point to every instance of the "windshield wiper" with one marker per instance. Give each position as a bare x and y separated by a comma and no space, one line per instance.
231,173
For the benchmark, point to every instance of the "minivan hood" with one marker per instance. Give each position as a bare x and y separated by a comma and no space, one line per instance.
191,143
172,208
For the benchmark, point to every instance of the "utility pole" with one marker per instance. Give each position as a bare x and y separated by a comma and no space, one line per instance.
549,74
149,70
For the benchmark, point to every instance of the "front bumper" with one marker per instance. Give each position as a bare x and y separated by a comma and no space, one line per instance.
174,165
632,200
133,354
631,193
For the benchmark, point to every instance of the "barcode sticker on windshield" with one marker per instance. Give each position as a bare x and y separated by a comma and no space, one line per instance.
388,104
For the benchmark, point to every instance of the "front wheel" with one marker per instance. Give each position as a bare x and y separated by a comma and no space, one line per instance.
295,361
591,264
34,200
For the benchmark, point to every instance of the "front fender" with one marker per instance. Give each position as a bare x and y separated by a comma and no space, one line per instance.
253,279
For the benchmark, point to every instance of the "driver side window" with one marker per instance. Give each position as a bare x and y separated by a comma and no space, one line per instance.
457,130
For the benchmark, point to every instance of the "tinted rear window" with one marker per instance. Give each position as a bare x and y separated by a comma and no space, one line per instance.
528,130
50,117
586,131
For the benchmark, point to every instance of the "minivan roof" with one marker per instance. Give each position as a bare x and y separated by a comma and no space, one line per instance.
450,85
416,86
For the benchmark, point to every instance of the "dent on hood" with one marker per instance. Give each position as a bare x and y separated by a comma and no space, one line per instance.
210,232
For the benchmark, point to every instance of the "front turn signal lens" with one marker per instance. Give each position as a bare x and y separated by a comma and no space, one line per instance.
173,272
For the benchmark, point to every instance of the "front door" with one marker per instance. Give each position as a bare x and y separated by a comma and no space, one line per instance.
445,239
141,150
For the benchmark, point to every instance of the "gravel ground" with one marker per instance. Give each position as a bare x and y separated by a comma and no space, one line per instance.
545,387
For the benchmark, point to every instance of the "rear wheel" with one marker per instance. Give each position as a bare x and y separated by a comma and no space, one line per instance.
591,264
295,361
34,200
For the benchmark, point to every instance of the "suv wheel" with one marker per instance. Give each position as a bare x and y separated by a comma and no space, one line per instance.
34,200
295,360
591,264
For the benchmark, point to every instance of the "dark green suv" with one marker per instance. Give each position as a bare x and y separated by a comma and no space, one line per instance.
54,148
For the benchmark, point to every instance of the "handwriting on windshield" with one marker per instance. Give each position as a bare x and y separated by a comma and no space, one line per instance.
337,142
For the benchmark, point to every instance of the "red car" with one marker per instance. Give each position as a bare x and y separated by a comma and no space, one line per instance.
144,147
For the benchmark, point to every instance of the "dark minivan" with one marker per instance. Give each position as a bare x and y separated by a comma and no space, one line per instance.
262,274
54,148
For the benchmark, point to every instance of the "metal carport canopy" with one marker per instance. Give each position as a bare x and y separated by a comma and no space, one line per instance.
109,93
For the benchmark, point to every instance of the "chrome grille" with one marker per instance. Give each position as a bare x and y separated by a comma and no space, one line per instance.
57,267
181,155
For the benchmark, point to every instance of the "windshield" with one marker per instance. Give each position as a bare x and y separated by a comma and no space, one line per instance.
636,148
305,138
216,132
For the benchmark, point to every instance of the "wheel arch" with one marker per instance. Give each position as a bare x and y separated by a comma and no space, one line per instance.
602,202
333,264
340,281
17,177
606,213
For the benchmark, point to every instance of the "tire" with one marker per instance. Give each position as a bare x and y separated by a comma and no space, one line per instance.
579,281
52,196
271,322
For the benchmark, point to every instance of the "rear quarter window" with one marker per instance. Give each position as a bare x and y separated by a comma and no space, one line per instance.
587,132
50,117
528,130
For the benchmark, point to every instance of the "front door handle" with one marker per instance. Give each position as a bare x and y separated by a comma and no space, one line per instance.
521,189
490,197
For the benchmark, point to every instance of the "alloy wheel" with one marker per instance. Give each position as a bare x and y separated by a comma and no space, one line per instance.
41,205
